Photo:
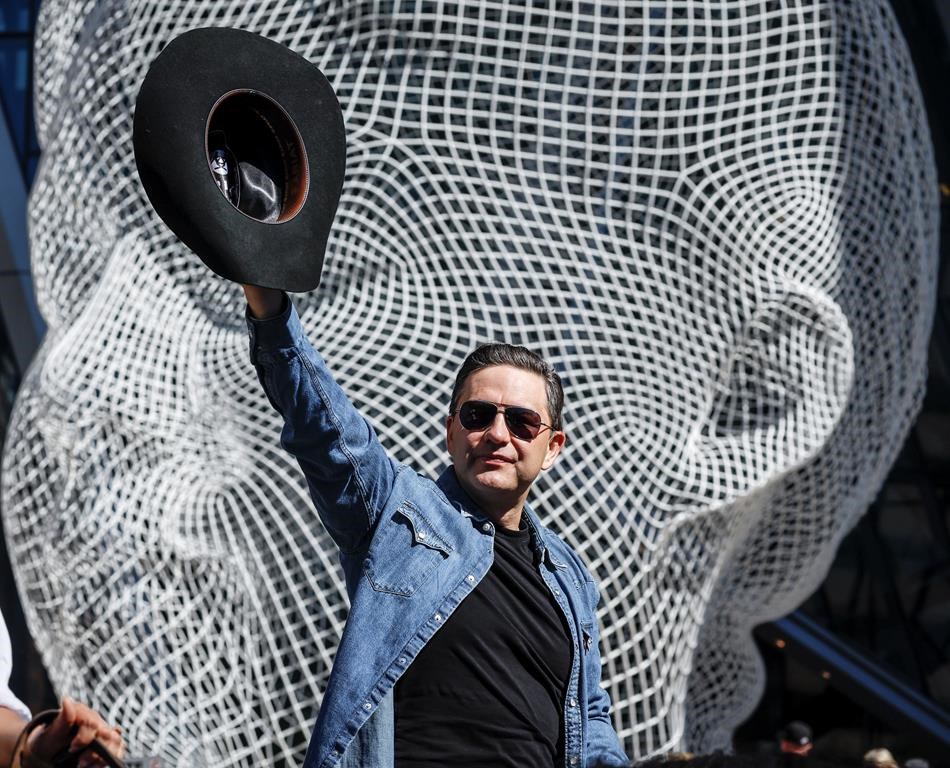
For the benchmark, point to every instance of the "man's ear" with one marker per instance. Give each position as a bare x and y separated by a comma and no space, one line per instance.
555,445
448,431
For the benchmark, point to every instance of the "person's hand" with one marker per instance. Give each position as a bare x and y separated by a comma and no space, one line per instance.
74,729
264,302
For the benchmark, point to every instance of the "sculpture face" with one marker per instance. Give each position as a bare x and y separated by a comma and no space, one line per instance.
717,219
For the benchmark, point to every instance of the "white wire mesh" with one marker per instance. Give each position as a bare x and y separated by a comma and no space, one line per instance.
718,218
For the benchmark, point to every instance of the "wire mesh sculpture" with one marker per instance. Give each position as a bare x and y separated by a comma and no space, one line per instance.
717,218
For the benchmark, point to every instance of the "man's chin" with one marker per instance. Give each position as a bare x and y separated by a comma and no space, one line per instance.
500,478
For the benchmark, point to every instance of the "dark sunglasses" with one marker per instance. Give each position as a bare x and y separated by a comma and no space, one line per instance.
523,423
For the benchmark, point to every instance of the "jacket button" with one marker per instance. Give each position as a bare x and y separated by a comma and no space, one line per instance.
574,760
486,527
438,617
367,706
402,661
573,702
422,534
470,579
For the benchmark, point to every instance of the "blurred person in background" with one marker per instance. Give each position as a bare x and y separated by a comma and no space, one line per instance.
879,758
74,728
796,739
723,760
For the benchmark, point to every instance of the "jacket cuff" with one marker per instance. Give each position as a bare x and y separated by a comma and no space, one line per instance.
274,333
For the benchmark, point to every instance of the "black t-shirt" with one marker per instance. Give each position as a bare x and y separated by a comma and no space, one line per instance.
488,688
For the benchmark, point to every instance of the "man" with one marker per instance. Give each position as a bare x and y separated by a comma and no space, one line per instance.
796,739
879,757
472,633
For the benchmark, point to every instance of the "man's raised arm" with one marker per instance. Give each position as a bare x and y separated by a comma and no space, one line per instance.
349,474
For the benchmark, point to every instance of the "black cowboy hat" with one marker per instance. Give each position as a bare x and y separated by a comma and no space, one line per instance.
240,146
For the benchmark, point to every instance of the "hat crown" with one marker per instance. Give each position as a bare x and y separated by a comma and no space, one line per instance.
252,132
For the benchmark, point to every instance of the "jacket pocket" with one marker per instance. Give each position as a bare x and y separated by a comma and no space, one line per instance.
587,636
406,550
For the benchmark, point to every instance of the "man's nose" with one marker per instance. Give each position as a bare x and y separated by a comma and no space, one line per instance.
498,429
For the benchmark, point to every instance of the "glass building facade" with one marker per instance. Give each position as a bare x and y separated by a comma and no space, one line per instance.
17,21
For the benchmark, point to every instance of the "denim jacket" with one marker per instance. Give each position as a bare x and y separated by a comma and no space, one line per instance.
411,550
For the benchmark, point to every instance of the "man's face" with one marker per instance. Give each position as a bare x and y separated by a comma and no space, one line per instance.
493,466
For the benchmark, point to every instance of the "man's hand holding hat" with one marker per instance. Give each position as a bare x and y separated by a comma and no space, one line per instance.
264,302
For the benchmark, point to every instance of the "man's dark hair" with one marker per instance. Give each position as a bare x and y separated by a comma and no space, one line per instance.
497,353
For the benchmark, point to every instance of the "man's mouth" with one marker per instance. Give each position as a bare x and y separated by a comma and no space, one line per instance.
495,459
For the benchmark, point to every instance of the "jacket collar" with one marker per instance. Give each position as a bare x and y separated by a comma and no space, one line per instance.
448,482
